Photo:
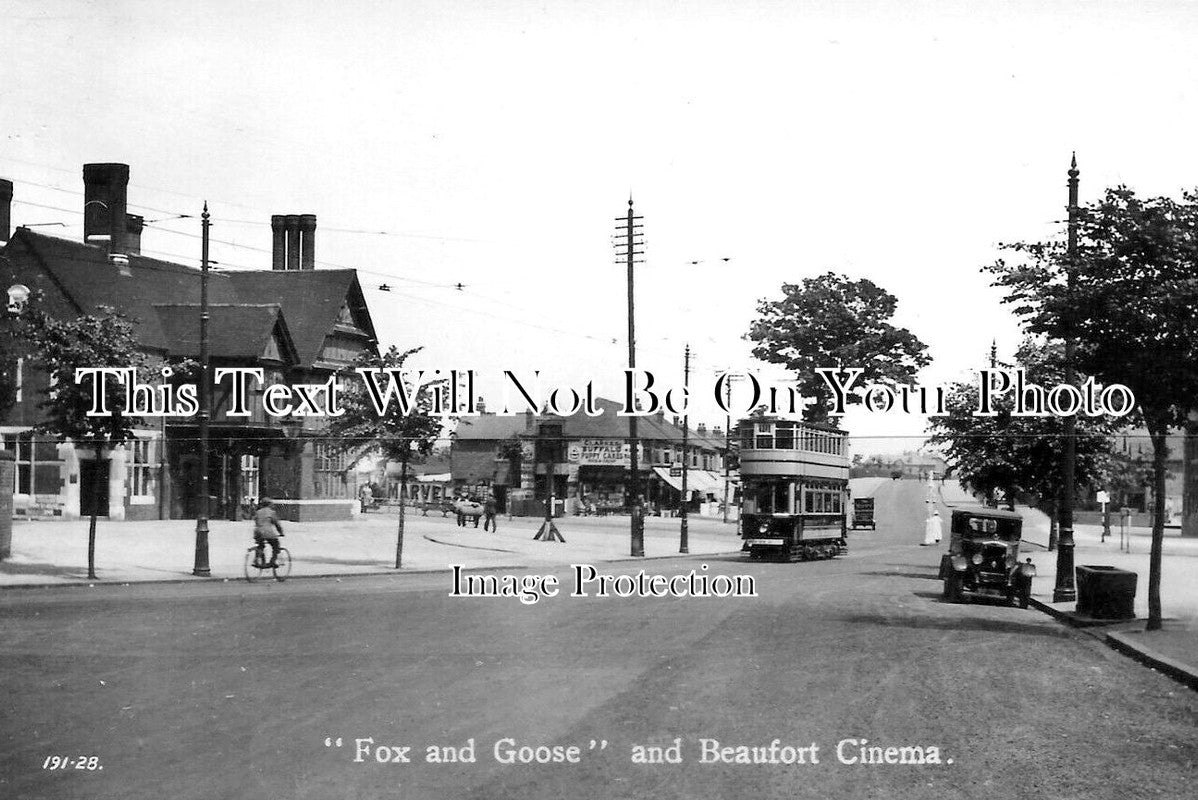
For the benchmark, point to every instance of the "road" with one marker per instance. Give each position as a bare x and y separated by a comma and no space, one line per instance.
231,690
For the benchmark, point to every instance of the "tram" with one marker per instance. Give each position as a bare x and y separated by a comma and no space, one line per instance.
795,486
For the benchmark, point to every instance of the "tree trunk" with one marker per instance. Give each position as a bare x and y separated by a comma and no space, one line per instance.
91,528
1160,451
403,500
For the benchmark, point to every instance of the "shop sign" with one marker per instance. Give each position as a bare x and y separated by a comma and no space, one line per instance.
601,453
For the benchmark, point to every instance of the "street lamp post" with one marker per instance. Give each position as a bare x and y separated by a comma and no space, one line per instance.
1065,590
201,559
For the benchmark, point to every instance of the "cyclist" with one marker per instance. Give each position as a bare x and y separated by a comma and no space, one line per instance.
267,528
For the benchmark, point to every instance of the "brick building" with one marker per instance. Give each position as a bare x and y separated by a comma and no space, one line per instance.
582,459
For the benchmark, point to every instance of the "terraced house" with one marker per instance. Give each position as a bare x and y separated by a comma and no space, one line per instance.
297,323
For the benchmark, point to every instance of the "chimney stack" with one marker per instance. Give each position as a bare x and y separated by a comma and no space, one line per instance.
133,227
702,429
717,432
105,196
307,229
293,242
5,209
278,252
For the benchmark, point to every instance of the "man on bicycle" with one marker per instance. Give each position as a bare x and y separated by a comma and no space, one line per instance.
267,528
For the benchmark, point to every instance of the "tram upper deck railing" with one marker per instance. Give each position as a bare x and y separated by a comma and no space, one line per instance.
787,435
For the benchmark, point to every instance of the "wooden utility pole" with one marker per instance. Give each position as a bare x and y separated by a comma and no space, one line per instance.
632,239
683,542
728,381
1065,590
201,557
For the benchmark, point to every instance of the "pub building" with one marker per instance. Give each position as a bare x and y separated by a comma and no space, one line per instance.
297,323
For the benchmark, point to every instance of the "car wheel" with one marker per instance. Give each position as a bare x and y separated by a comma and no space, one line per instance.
952,588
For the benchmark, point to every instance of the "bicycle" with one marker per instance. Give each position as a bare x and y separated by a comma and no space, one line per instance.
255,562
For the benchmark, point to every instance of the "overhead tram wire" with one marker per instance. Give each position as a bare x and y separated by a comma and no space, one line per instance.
334,229
225,264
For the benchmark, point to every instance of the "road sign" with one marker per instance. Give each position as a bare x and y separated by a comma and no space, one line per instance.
1104,497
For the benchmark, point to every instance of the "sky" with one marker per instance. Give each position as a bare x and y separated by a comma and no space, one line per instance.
494,144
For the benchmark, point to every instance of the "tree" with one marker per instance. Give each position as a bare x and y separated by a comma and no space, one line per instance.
59,348
397,436
1129,298
1020,455
834,321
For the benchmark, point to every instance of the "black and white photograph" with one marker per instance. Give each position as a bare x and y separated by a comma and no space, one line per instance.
503,400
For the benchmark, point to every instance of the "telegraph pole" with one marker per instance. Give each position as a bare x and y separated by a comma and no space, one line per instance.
728,381
686,377
633,239
1065,590
201,560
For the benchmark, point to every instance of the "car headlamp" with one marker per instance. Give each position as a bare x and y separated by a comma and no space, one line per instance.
764,528
977,558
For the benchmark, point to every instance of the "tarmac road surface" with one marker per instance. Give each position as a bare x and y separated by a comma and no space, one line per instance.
232,690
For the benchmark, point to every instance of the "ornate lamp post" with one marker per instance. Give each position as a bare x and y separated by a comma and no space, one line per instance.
1065,590
201,559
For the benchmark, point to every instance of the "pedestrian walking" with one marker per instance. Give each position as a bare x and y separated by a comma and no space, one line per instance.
489,515
366,496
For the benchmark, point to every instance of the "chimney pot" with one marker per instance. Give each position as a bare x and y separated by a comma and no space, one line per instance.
134,224
5,209
278,252
307,228
105,197
293,241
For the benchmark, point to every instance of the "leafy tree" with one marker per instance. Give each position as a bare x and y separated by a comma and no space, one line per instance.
397,436
59,348
834,321
1129,298
1020,455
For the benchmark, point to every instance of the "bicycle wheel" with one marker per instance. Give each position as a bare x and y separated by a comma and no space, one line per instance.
251,571
284,564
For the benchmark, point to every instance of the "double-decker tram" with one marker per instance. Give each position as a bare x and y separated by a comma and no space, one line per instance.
795,486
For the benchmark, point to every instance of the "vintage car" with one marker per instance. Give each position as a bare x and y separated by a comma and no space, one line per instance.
863,513
983,556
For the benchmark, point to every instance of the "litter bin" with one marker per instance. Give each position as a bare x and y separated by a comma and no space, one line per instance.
1106,592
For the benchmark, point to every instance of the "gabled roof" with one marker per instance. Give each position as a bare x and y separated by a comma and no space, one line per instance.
315,296
309,300
234,331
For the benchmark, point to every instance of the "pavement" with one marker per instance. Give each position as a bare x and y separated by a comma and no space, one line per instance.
48,553
1172,650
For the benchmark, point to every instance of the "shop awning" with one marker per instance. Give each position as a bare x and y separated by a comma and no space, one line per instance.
697,480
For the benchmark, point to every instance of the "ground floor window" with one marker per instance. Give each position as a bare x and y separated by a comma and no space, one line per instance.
141,468
329,466
249,476
38,468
